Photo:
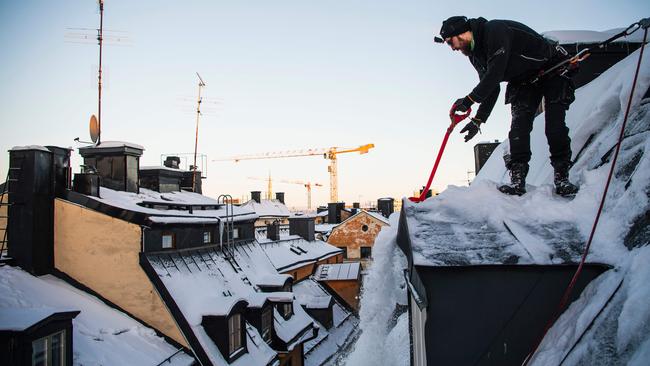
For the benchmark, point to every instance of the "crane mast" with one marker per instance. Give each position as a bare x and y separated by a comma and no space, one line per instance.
330,153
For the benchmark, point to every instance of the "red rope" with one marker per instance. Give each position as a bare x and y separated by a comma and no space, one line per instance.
569,289
455,119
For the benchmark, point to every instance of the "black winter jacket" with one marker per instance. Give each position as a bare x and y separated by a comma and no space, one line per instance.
505,50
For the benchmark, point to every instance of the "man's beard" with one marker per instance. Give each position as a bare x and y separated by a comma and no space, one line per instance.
466,49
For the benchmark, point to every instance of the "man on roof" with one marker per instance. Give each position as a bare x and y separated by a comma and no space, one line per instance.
505,50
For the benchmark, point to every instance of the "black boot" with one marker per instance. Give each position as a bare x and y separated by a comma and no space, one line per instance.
561,179
517,186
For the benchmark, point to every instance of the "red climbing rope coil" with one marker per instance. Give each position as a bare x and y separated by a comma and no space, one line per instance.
455,119
569,289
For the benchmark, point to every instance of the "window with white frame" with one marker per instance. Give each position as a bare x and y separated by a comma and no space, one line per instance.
235,233
168,240
50,350
267,324
234,333
207,237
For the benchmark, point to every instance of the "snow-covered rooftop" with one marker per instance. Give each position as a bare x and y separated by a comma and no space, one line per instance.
329,341
19,319
102,335
133,202
294,252
188,275
29,147
267,208
338,271
114,144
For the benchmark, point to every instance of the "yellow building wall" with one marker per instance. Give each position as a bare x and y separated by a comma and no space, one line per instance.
102,253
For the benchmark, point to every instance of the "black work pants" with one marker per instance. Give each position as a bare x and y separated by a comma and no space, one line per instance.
558,93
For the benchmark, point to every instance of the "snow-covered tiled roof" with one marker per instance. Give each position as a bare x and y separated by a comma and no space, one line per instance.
267,208
443,232
188,275
329,341
338,271
324,228
294,252
102,335
133,201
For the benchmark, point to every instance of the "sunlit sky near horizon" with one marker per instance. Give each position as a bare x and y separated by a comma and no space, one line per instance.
282,75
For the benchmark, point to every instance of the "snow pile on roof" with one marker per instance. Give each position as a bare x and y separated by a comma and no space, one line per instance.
29,147
294,252
378,216
101,335
329,342
204,281
619,334
587,36
113,144
384,339
266,208
130,201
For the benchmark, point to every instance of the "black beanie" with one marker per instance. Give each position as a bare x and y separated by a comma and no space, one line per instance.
454,26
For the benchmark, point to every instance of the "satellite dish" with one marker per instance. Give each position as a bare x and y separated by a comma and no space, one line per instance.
94,129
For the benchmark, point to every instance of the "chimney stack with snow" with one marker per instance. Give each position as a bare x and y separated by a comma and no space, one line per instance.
280,197
256,196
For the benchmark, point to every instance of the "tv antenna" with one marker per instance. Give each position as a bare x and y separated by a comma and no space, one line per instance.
196,138
79,35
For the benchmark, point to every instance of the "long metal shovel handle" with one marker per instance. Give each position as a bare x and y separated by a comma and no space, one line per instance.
455,119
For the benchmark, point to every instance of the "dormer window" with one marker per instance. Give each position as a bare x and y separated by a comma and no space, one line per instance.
168,241
286,309
49,350
267,324
207,237
235,334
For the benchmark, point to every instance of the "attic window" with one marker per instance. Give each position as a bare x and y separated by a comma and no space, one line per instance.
207,237
168,241
267,324
50,350
286,310
234,334
364,228
366,252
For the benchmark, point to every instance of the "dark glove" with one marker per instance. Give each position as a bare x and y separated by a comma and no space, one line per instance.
461,105
472,128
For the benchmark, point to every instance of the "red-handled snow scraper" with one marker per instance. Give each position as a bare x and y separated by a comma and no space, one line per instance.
455,119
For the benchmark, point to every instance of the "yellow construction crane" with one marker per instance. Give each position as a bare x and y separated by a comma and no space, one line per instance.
307,185
328,153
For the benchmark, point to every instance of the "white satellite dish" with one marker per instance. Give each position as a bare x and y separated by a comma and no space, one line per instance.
94,129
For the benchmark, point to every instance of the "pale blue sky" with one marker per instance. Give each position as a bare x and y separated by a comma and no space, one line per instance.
287,74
